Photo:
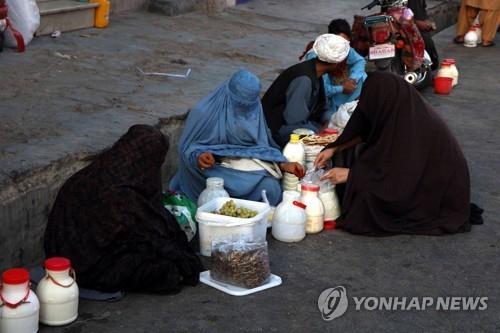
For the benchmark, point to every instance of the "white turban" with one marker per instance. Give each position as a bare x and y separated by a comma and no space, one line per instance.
331,48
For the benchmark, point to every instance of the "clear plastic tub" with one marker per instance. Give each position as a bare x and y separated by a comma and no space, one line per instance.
215,227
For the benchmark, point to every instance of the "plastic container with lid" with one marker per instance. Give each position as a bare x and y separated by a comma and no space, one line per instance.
447,71
315,210
215,189
294,152
470,38
58,293
453,69
331,204
101,18
19,307
215,227
476,27
289,221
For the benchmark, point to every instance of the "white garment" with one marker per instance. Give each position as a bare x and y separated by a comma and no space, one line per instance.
331,48
254,164
341,117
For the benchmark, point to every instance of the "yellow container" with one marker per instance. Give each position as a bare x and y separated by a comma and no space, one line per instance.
101,13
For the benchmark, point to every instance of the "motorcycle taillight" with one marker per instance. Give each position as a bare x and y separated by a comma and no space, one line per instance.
380,32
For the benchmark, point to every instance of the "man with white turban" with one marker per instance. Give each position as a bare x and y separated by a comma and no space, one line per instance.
296,99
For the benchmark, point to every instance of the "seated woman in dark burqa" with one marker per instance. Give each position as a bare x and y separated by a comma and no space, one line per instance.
109,220
410,175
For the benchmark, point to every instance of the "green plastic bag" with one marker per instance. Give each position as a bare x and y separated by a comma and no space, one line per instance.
184,211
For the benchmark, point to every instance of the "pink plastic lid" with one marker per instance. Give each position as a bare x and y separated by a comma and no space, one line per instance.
329,131
451,61
57,264
15,276
309,187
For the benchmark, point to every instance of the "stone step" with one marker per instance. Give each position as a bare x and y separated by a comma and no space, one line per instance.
65,15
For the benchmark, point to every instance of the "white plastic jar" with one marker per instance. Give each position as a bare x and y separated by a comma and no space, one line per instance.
289,220
314,208
471,39
453,70
215,189
58,293
331,205
446,71
294,151
19,307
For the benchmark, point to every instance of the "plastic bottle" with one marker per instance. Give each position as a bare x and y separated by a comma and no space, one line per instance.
294,152
470,38
453,70
215,189
101,13
315,210
445,70
19,306
289,220
58,293
331,205
476,26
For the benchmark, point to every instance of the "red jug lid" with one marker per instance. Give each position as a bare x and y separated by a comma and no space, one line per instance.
15,276
57,264
309,187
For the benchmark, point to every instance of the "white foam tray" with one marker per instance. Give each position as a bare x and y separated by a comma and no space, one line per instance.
274,281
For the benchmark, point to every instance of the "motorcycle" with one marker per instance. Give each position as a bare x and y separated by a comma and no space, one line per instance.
393,42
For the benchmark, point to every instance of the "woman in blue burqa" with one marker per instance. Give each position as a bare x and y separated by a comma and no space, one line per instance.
226,136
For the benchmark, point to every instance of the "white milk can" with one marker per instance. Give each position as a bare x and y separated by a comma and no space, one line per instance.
58,293
19,305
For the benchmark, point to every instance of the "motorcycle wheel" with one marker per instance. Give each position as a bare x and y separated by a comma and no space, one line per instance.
394,66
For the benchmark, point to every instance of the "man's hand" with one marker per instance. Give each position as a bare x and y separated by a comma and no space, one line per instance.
206,160
293,167
323,157
349,86
425,25
336,175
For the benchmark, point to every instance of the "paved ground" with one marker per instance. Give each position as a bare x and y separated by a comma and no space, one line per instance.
54,106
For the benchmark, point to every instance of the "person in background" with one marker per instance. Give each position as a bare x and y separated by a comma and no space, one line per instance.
404,180
226,136
425,26
109,220
296,99
344,85
489,18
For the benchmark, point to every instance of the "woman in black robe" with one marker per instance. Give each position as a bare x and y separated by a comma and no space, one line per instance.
410,175
109,220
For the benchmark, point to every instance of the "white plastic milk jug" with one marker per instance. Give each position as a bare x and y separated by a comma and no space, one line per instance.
58,293
289,220
315,210
19,305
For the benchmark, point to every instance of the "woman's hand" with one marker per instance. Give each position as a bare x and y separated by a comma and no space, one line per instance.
293,167
206,160
336,175
323,157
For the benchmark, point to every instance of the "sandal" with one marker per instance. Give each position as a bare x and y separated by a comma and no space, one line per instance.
458,40
488,44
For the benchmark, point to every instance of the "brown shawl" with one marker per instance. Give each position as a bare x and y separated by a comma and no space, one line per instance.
109,220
